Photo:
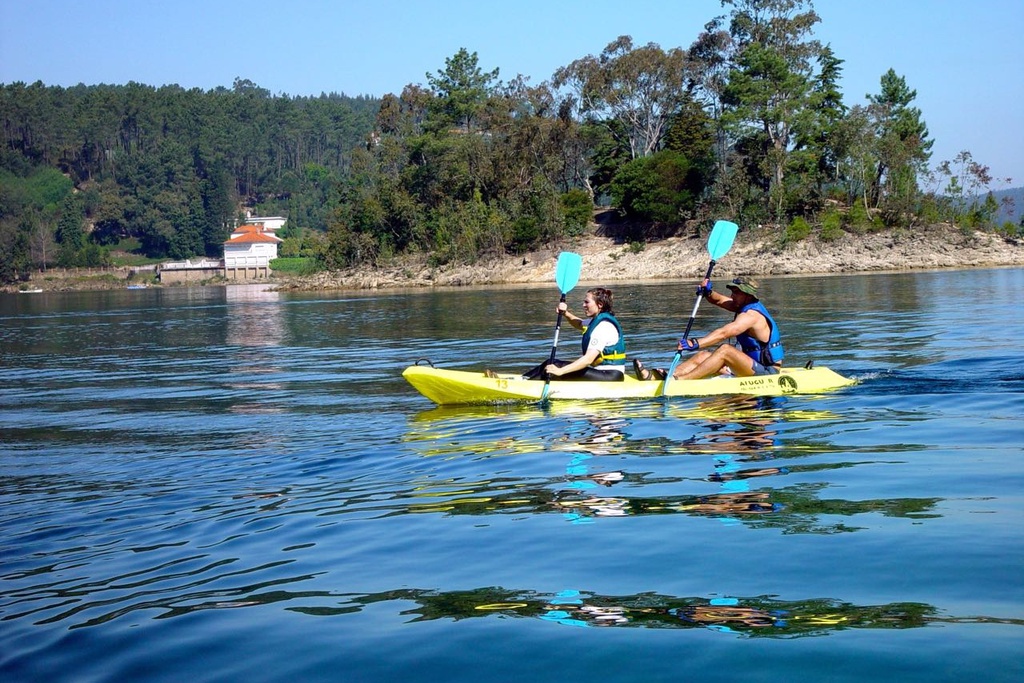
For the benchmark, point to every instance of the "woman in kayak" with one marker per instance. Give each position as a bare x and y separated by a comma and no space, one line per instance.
760,344
604,347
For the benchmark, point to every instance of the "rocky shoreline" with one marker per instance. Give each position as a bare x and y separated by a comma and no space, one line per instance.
607,259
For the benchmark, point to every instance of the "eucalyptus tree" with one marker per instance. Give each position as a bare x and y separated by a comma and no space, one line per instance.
426,171
966,182
380,210
770,79
665,187
498,175
855,144
546,159
635,91
709,56
42,244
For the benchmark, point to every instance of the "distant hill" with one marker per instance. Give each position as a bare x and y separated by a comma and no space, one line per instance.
1010,210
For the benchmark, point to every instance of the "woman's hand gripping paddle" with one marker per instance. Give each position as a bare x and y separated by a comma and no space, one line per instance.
719,243
567,274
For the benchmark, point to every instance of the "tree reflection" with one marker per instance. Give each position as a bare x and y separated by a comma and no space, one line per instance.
757,616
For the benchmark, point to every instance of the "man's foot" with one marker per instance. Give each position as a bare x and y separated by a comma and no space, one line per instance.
490,373
643,374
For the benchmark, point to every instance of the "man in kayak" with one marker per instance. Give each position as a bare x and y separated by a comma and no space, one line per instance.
604,347
759,350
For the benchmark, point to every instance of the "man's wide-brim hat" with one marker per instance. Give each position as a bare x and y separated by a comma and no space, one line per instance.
744,284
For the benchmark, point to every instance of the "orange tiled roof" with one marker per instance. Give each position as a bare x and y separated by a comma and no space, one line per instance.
249,227
254,237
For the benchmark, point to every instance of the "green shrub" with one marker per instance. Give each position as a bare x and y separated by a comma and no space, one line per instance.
1011,229
298,265
525,233
577,211
857,218
659,188
797,230
831,226
930,210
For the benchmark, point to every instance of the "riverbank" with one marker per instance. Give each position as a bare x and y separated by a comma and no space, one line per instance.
608,259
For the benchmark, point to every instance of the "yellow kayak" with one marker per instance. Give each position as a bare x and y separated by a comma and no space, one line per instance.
455,387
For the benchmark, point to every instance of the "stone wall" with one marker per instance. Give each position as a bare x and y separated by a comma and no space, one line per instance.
188,275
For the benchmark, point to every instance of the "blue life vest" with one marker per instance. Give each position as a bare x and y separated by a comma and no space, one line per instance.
610,355
765,353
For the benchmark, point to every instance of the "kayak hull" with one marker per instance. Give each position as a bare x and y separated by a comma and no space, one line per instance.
460,387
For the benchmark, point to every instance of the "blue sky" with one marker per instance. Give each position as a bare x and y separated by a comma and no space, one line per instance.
964,59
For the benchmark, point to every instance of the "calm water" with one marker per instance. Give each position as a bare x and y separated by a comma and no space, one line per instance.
219,484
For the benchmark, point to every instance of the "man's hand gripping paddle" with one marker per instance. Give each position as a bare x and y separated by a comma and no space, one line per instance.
719,243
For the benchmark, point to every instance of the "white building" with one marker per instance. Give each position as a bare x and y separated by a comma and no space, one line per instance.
249,251
269,224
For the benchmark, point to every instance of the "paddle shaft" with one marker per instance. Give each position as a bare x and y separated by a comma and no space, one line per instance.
696,304
558,326
693,316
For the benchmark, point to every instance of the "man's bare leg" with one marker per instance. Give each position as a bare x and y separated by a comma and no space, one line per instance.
690,364
712,364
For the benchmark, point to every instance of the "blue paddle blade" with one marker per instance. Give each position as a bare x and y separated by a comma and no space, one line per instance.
721,238
567,272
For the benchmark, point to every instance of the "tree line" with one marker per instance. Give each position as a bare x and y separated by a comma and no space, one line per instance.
163,172
748,122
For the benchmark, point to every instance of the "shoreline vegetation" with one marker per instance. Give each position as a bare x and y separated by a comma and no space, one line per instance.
609,259
471,181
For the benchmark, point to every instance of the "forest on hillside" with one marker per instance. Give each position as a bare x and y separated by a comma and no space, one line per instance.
746,123
162,172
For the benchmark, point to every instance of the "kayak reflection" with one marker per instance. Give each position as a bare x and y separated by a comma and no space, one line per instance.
741,460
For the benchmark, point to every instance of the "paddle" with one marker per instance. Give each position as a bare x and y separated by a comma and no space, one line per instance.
719,243
567,274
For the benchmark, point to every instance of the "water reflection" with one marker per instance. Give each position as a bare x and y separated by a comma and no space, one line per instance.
756,616
792,510
609,470
255,324
254,316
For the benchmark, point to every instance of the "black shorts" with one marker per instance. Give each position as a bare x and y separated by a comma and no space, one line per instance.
588,374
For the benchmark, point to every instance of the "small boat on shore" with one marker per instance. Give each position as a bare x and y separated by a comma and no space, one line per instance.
31,290
460,387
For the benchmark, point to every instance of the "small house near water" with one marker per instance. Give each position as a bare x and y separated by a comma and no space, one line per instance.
249,251
247,255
